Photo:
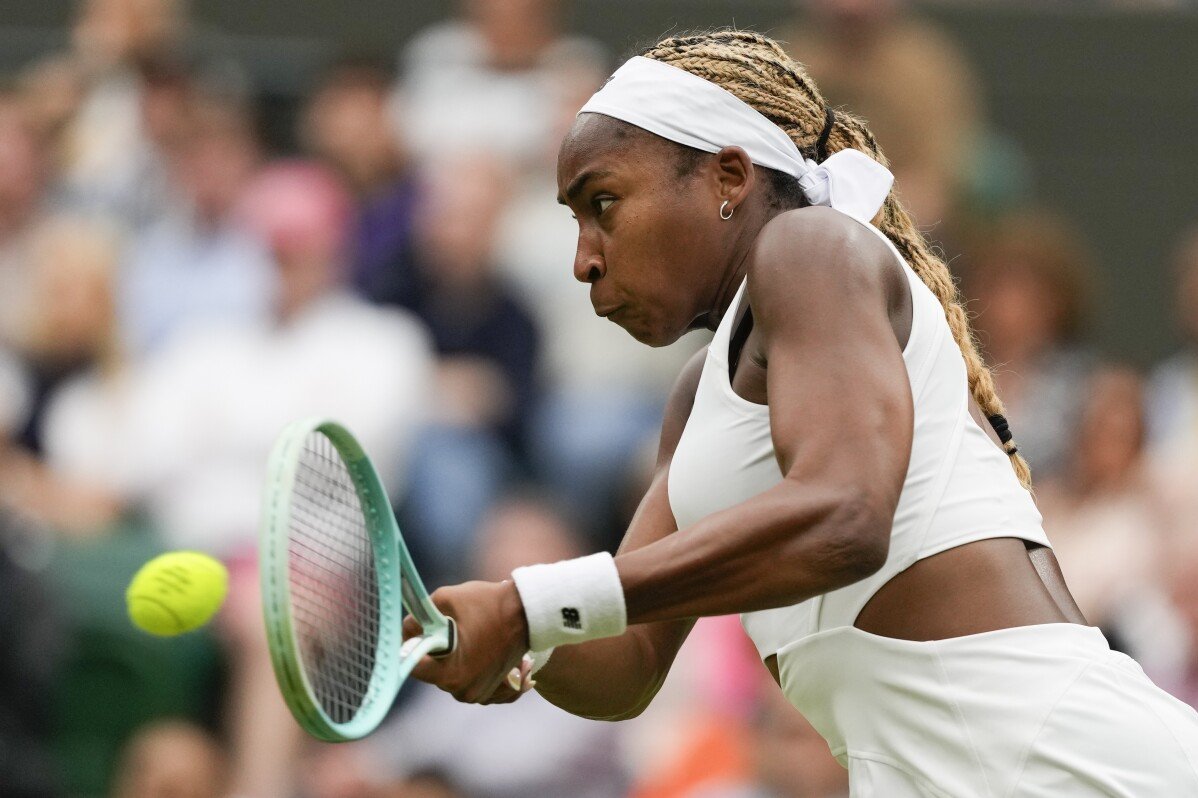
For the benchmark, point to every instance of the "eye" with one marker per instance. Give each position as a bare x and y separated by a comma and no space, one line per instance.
603,203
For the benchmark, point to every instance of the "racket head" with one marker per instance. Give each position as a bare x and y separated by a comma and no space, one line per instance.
335,577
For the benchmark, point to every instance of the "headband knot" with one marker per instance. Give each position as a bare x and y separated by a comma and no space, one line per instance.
689,110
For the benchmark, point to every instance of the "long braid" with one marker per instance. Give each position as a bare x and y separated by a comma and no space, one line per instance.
759,72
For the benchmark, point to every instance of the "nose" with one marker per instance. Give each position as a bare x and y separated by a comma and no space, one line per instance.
589,265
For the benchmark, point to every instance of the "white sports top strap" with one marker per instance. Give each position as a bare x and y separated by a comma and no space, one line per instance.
959,486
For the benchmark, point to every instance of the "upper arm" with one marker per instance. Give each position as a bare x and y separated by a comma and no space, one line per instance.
821,288
654,519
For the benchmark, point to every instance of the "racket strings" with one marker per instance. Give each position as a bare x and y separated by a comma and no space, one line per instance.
334,589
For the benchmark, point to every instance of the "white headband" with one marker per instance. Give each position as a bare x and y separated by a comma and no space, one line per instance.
687,109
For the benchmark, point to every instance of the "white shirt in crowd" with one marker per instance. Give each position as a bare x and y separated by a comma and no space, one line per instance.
453,101
189,437
176,274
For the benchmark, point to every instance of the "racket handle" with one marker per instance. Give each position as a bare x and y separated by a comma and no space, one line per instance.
451,639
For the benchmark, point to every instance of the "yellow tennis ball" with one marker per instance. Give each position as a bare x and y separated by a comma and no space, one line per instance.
176,592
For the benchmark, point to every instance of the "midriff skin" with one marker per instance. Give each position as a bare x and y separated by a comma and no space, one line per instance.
978,587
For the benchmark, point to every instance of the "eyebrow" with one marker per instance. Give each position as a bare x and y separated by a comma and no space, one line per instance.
576,185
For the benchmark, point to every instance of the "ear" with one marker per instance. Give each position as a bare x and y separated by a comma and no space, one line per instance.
734,175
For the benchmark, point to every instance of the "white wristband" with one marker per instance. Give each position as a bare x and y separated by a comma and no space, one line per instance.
571,601
539,658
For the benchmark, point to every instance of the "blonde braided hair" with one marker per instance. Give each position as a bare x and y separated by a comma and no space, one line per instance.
759,72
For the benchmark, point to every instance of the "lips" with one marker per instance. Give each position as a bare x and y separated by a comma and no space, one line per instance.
607,311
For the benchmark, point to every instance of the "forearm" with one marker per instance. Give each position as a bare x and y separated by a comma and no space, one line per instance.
614,678
784,546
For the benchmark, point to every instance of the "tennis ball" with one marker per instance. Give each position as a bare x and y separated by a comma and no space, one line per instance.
176,592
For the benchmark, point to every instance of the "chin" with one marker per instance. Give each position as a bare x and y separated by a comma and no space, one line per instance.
652,337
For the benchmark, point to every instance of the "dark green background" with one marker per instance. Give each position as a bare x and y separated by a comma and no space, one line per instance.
1105,103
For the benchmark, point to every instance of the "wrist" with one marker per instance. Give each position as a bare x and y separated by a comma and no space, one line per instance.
512,608
571,601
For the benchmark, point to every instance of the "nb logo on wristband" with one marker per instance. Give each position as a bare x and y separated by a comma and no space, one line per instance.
570,618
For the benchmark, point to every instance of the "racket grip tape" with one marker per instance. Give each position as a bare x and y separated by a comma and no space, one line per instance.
451,640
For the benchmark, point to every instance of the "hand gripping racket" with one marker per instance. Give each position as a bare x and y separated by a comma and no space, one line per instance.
336,577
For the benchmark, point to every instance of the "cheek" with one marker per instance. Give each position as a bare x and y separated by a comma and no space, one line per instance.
661,251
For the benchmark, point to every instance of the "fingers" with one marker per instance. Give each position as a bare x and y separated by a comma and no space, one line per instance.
504,694
428,670
476,670
448,677
411,627
448,674
518,682
523,675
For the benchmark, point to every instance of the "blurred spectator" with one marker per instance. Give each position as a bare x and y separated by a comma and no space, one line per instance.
95,463
603,391
485,82
221,392
15,396
789,758
1030,284
171,759
1103,512
910,81
487,345
783,756
1172,635
486,339
423,785
347,123
29,666
108,149
51,91
786,757
109,34
694,733
1173,395
528,747
196,263
1171,638
24,173
89,418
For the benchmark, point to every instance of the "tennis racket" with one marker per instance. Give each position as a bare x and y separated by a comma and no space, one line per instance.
336,577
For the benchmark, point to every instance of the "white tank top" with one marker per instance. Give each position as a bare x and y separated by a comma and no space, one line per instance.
959,487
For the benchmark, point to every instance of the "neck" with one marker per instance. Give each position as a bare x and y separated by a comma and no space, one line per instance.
740,254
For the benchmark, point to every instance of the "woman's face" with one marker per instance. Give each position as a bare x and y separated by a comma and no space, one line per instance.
649,241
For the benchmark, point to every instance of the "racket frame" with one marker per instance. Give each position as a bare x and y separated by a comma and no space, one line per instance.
399,587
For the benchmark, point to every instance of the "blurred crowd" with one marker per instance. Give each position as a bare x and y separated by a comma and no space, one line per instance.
174,289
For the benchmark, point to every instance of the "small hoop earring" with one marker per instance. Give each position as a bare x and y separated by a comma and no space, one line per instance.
730,211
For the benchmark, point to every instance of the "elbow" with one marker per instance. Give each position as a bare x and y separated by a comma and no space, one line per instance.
628,714
856,537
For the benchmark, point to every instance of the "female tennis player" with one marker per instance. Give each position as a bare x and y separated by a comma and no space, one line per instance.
835,466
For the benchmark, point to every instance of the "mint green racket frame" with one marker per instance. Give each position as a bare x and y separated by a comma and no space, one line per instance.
399,587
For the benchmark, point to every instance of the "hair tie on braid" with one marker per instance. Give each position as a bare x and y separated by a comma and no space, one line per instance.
821,145
1001,428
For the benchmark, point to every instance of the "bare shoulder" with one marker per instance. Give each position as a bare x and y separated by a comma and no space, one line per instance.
679,404
817,243
817,254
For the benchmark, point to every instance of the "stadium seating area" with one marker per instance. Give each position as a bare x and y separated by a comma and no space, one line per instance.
184,268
